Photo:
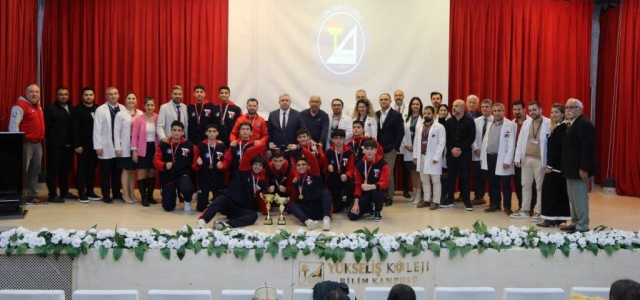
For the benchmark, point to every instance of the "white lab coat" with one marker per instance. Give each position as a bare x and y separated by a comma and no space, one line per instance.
506,148
344,124
478,143
102,138
122,131
167,115
521,144
371,127
406,141
435,148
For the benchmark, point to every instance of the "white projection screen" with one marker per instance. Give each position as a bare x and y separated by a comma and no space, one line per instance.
333,48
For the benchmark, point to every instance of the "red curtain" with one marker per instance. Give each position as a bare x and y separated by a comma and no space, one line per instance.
18,52
508,50
145,46
618,89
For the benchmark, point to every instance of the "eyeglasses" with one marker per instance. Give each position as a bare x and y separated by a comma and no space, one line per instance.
572,107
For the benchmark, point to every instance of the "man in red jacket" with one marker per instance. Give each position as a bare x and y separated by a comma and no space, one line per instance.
27,116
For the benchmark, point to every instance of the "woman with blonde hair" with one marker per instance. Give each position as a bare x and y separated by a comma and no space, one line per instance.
364,112
122,139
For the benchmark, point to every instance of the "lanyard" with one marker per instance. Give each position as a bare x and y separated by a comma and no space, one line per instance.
198,114
173,152
356,148
242,148
339,161
210,155
300,186
536,132
224,114
255,183
367,171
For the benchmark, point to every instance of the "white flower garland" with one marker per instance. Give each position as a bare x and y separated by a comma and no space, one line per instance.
330,245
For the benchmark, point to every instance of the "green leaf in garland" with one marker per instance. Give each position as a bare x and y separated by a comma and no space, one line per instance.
609,249
84,248
368,254
552,249
481,248
565,250
544,249
117,253
318,251
466,249
181,252
103,252
259,252
218,251
166,253
155,231
306,251
139,251
375,231
477,227
435,247
22,248
416,251
357,255
340,253
383,254
273,249
294,251
9,251
286,253
328,253
71,251
57,250
321,245
453,252
197,247
496,246
402,251
41,251
189,230
593,248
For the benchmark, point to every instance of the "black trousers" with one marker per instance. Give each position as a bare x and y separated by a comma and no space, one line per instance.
338,188
479,181
86,172
59,159
237,215
208,185
314,209
495,181
110,177
459,166
517,181
405,174
367,202
182,185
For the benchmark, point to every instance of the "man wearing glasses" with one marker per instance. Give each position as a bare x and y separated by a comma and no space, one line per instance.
578,163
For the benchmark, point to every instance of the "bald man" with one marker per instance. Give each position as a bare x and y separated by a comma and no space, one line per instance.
578,163
461,134
316,120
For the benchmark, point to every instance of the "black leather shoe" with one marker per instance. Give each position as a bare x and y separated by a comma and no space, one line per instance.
388,202
117,196
107,200
69,196
568,228
546,223
92,196
493,208
406,194
576,230
55,200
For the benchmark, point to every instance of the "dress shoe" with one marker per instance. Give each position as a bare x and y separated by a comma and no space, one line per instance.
92,196
422,204
388,202
69,196
118,196
508,211
478,202
568,228
434,206
56,200
406,194
107,200
493,208
546,223
576,230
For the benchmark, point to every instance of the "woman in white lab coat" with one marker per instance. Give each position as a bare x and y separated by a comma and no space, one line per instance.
122,140
364,112
428,149
411,121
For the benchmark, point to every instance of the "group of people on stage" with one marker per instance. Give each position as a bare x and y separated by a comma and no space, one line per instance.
323,162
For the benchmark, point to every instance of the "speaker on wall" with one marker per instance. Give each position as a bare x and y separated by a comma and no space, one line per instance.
13,175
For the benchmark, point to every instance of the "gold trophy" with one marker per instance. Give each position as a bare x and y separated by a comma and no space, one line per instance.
268,199
282,201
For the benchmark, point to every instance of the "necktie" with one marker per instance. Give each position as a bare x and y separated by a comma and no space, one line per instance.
484,127
284,119
114,111
178,111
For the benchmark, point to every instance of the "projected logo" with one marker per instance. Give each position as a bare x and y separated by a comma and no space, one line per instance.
341,41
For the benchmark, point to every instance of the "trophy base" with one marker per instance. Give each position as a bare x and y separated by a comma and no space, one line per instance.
282,222
268,221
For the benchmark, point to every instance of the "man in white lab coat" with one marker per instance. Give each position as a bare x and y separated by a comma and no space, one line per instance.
479,175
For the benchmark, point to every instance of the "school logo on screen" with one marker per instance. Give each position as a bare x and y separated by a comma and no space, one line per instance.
341,41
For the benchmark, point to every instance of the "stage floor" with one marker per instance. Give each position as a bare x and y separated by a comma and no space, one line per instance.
612,211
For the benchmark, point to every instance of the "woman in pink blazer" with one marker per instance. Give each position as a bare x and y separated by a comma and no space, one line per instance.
144,141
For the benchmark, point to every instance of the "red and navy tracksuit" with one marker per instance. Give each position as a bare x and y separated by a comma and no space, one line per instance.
376,172
343,163
316,201
239,201
210,178
184,156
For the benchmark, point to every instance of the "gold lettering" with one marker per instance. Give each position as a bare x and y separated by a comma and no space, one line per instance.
390,268
331,267
378,269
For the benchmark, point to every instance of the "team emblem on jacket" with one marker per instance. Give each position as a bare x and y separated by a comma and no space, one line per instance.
207,113
219,155
376,173
309,181
258,123
169,151
232,115
344,161
185,151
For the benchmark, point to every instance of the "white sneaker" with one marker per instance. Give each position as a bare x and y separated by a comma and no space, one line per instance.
201,223
520,214
187,206
536,218
311,224
326,224
220,225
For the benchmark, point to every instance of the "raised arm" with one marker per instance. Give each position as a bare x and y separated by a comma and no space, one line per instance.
245,162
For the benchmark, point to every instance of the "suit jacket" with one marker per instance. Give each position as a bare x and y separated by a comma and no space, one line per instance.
579,148
282,137
391,132
167,115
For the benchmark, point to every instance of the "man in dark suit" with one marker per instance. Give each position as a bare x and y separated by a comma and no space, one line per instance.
578,163
390,135
283,124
